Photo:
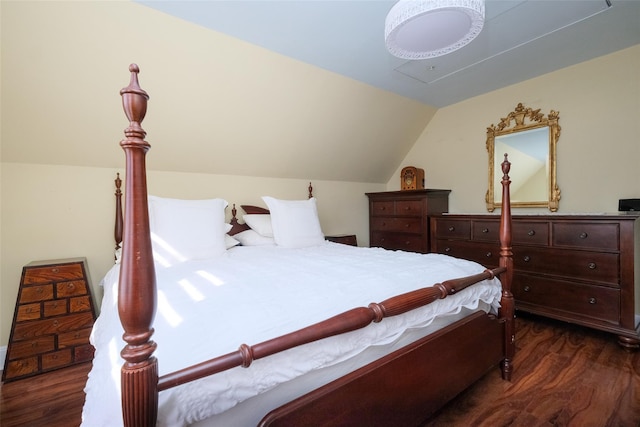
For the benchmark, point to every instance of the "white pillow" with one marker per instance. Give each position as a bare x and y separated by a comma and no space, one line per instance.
186,229
252,238
261,223
295,222
229,241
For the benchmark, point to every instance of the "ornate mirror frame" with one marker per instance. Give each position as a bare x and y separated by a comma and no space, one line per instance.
522,122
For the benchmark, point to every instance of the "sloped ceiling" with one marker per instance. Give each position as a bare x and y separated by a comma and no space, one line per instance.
521,39
219,103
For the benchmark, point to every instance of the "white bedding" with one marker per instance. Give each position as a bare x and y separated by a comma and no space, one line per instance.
252,294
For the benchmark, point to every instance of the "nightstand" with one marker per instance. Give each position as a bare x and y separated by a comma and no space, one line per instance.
345,239
53,318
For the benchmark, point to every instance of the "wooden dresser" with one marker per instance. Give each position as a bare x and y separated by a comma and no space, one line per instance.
53,318
583,269
400,219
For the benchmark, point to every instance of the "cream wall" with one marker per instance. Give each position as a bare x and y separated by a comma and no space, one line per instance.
52,212
598,150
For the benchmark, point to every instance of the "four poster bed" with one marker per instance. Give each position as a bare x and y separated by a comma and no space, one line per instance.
318,360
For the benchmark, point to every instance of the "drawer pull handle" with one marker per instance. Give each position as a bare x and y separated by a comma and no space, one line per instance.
407,208
583,235
384,224
447,249
592,300
485,230
40,290
532,232
55,323
383,208
526,258
527,288
407,226
452,228
592,266
488,254
55,270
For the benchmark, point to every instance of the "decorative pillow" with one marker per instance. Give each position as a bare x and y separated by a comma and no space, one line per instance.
186,229
252,238
295,222
260,223
229,241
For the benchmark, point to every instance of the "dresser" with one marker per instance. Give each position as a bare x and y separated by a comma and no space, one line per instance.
581,269
399,220
53,318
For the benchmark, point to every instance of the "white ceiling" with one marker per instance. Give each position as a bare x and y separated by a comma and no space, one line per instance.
521,39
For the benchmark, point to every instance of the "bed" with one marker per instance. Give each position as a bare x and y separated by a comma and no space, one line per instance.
442,322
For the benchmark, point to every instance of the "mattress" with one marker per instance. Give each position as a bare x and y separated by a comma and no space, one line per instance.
252,294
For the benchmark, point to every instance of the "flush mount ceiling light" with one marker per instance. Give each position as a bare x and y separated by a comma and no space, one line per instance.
421,29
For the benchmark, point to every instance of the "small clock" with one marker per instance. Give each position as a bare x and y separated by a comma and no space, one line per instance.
412,178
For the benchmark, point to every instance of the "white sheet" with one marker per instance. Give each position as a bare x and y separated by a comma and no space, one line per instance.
209,308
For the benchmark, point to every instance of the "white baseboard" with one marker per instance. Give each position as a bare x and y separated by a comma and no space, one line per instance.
3,355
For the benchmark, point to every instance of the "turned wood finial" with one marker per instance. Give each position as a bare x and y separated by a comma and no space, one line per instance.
506,167
134,102
310,190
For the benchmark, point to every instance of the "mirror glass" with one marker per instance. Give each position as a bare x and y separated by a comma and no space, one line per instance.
529,138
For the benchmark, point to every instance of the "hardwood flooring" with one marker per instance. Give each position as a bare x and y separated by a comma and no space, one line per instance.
564,375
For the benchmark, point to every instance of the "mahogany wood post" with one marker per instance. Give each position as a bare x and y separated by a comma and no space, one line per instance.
507,309
117,231
137,288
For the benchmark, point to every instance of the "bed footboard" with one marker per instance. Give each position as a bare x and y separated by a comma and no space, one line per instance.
405,387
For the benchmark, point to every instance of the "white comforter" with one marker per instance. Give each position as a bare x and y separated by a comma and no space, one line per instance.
252,294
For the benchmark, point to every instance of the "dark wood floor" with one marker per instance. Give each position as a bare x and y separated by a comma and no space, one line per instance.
564,375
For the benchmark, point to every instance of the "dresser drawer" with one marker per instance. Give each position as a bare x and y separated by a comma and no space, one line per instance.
486,231
69,339
403,225
72,288
55,308
453,229
28,312
582,265
32,347
54,325
20,368
56,359
36,293
530,233
487,254
399,241
586,235
586,300
409,208
382,208
53,273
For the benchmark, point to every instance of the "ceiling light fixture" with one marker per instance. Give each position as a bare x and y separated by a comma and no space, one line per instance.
421,29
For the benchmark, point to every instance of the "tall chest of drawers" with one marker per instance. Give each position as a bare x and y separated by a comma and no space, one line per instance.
53,318
583,269
399,220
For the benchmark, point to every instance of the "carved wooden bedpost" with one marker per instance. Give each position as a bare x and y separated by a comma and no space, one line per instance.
137,291
117,229
507,308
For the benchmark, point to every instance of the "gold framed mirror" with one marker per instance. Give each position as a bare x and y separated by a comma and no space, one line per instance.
529,138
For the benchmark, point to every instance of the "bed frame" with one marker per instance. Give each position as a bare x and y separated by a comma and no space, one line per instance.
403,388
